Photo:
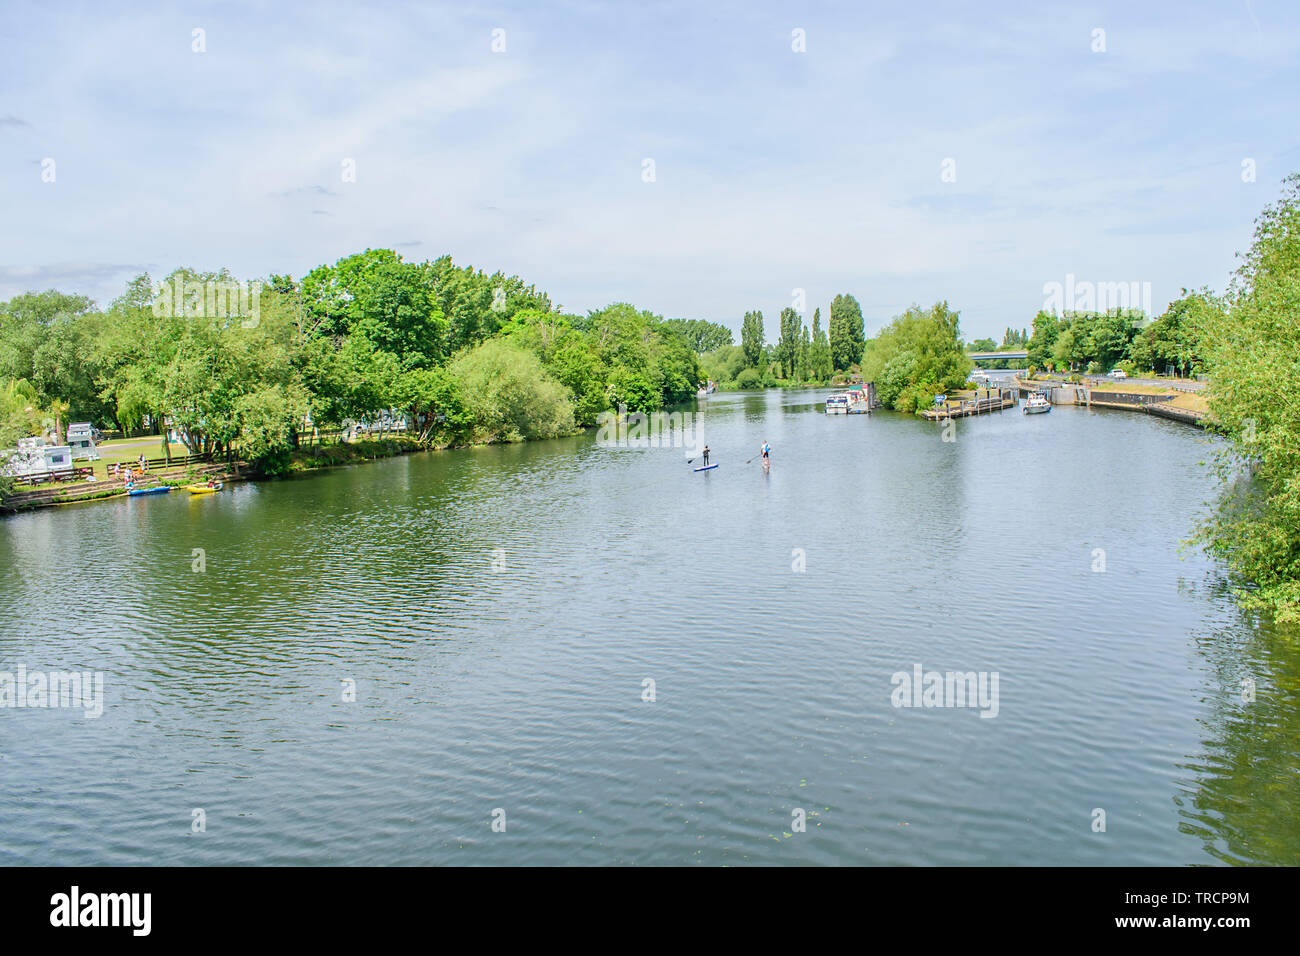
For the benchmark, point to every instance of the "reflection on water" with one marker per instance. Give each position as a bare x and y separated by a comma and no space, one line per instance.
1243,785
499,611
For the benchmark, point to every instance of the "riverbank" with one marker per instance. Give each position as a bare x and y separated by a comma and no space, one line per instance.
1185,407
1188,407
303,460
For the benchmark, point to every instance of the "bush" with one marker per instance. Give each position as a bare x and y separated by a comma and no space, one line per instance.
724,364
633,388
748,378
894,378
915,356
509,396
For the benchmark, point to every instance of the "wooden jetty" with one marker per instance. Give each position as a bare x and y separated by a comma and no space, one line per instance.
985,400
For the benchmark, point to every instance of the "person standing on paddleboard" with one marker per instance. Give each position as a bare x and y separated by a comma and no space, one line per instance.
706,454
767,454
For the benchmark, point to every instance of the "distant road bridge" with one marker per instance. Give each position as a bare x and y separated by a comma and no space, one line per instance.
998,355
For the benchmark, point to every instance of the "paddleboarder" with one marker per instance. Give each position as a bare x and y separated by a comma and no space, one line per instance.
767,453
706,454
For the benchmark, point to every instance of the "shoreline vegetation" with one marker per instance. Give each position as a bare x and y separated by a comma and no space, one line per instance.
304,460
245,372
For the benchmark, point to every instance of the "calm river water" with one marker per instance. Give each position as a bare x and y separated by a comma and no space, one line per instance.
499,611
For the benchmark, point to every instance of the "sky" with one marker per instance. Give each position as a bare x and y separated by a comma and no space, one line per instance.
899,152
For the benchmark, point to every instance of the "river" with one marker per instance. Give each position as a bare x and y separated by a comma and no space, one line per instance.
500,612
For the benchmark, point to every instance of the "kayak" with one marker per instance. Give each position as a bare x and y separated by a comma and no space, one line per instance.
706,468
203,489
160,490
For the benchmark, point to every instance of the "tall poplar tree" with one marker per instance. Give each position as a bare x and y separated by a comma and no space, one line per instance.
848,332
787,348
751,338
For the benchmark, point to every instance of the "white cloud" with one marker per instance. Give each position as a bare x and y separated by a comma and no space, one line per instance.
774,169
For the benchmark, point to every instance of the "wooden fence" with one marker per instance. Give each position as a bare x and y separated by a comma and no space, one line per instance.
58,474
176,461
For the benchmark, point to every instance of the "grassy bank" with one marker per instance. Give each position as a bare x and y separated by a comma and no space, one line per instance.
367,449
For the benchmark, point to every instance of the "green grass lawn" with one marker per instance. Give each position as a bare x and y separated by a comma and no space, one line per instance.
129,450
125,451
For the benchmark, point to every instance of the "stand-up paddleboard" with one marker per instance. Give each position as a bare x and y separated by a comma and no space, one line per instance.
706,468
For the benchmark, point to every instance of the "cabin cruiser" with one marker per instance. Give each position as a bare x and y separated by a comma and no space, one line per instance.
853,401
1037,403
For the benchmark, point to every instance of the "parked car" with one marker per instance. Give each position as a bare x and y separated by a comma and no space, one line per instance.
1119,373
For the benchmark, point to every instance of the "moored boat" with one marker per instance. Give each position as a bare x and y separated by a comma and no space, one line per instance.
1036,404
156,490
203,489
853,401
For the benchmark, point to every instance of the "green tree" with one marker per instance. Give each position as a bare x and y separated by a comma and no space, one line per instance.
1111,335
787,347
433,400
1173,340
723,365
1250,341
916,356
20,412
392,303
1067,353
822,362
702,336
751,338
1042,343
508,395
847,332
477,305
803,364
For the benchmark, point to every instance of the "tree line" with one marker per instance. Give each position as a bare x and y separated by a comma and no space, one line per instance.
1121,338
1248,339
466,356
801,355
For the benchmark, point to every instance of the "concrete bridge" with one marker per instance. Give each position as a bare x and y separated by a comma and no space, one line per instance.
998,355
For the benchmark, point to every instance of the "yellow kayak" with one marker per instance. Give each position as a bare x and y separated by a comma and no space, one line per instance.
203,489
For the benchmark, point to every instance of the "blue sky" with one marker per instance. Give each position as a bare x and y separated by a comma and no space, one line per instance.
774,170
